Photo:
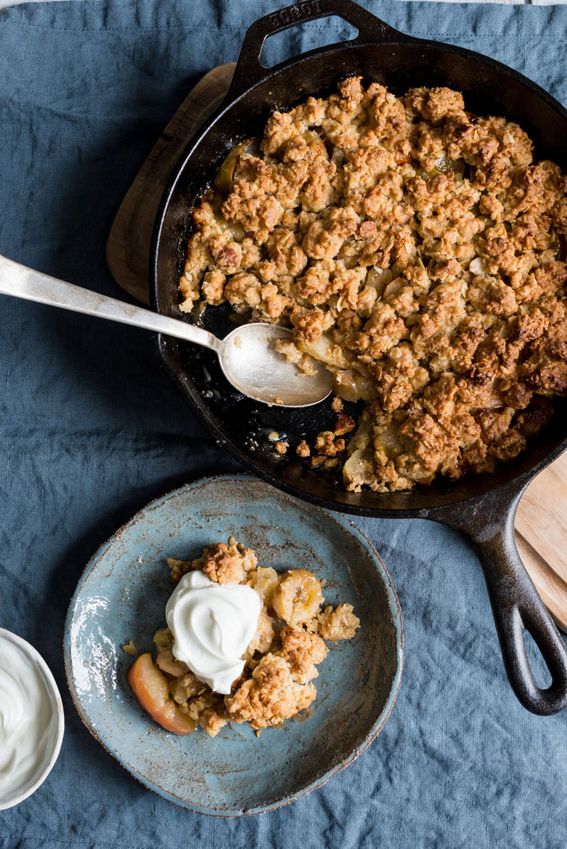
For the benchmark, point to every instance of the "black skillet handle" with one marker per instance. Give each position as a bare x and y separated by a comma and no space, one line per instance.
516,604
249,69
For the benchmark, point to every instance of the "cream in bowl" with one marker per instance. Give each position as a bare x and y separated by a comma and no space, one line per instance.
31,720
212,625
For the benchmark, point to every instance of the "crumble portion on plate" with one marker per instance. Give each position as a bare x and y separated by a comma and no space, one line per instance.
415,249
280,663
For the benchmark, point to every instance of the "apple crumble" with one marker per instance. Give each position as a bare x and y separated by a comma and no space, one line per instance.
279,663
415,249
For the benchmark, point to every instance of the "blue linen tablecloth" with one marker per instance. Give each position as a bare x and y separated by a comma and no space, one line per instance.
91,429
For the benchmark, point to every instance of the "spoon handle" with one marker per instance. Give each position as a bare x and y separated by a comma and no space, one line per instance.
22,282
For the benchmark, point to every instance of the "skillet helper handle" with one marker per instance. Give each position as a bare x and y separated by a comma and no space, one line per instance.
249,68
515,602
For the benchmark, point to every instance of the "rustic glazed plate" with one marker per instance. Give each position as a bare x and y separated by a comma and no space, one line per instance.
122,594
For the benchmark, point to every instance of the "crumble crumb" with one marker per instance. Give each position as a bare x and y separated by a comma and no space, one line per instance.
339,623
226,563
178,568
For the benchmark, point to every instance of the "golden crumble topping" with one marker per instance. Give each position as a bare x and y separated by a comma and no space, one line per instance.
302,651
271,696
224,563
415,249
339,623
280,661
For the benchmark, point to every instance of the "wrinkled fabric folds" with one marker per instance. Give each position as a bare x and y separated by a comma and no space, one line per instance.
91,429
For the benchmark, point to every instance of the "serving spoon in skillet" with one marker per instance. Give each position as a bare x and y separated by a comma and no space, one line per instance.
247,356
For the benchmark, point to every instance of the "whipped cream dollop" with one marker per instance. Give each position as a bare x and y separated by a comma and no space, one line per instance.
28,721
212,625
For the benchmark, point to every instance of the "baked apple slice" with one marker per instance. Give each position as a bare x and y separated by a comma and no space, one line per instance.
149,685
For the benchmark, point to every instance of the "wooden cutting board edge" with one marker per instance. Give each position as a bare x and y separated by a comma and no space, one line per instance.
541,520
128,243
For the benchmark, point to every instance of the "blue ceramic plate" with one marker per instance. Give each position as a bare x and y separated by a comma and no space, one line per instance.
122,597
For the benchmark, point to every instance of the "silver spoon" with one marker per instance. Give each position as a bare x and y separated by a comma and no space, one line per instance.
247,355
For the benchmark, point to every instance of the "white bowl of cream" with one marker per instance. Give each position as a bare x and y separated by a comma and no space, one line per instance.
31,720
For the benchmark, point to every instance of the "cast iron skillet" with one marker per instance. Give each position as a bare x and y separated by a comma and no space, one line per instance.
483,507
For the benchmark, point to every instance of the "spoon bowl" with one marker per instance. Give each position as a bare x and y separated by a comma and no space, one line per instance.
252,365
